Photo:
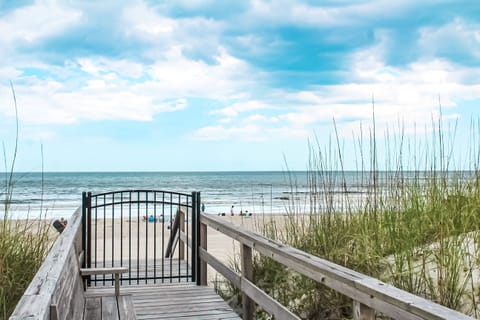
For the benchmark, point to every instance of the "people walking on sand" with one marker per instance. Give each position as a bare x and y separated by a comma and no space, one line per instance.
203,207
232,213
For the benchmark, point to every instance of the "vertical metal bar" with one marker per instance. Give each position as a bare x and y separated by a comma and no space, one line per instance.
155,238
171,226
121,230
84,228
96,234
146,236
163,237
187,220
88,254
104,231
113,229
197,244
138,236
179,230
130,238
194,237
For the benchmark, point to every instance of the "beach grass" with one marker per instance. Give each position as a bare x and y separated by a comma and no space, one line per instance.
416,227
23,243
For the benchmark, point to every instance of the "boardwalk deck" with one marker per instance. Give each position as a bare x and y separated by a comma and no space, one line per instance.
184,301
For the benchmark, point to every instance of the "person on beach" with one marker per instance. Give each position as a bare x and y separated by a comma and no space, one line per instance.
231,211
203,207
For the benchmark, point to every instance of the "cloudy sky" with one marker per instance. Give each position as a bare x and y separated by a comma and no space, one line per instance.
227,85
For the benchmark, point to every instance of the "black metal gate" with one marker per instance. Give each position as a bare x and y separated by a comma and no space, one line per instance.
140,229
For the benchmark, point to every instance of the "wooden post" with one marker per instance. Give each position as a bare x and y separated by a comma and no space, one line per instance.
362,312
247,272
181,249
203,245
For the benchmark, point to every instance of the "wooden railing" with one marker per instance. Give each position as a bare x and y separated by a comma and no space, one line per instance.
369,295
45,288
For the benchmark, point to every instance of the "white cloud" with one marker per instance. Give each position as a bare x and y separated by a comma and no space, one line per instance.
455,38
219,133
123,67
176,75
409,94
35,22
294,12
240,107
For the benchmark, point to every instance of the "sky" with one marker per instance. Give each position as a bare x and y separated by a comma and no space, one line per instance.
203,85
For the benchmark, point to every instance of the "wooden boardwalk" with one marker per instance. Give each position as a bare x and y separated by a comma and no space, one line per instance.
184,301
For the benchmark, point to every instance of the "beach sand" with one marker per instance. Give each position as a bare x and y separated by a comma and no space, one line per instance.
151,239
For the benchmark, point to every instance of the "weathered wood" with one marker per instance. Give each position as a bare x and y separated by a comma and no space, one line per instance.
57,291
107,270
362,312
174,235
181,248
93,309
248,305
256,294
109,308
115,271
203,245
179,301
125,307
68,293
38,295
371,292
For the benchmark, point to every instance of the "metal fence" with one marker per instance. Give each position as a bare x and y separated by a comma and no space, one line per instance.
134,229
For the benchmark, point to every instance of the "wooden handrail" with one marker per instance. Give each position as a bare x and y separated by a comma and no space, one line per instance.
35,302
369,294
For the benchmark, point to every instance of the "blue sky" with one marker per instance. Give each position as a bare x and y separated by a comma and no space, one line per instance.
229,85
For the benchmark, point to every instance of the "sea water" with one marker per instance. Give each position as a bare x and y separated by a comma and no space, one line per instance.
58,194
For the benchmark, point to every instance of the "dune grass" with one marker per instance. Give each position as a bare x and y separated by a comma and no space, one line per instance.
23,243
414,226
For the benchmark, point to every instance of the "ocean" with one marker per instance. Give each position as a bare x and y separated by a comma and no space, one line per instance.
58,194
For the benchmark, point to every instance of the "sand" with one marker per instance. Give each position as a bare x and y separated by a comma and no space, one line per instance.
151,239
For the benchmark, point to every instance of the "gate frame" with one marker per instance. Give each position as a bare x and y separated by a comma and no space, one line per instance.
195,227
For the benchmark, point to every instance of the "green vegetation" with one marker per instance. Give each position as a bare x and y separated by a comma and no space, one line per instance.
414,226
23,244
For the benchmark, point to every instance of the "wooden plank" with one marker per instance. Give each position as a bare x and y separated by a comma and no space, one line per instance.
343,280
107,270
126,309
37,297
181,248
362,312
203,245
68,293
181,301
225,271
109,308
261,298
248,305
93,309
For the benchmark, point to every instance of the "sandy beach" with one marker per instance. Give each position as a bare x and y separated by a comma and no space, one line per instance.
141,240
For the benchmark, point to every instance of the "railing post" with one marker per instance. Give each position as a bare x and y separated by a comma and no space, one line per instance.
203,245
197,234
84,228
181,243
248,305
195,237
362,312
